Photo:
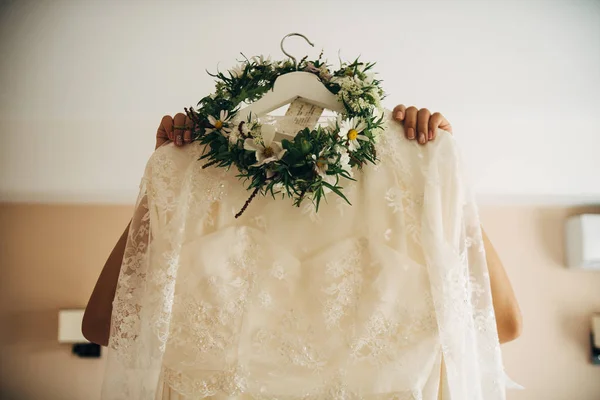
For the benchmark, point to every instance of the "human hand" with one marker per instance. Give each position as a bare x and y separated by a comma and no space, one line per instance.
421,123
170,130
415,121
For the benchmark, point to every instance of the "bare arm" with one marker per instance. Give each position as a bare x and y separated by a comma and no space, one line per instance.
96,320
506,308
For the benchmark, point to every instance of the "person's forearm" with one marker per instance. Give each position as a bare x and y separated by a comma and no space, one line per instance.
506,307
96,320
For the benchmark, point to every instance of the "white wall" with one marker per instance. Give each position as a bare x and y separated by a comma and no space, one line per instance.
84,84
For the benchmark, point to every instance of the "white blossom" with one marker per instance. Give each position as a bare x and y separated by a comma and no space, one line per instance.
350,130
321,167
220,124
266,149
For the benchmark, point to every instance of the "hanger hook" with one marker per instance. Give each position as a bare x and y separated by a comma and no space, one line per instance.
293,34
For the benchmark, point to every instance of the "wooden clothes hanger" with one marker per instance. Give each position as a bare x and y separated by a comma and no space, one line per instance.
293,85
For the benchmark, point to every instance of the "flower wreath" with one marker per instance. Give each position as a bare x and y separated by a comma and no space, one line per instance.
313,162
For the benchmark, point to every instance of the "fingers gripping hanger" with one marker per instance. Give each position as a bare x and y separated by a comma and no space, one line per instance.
293,85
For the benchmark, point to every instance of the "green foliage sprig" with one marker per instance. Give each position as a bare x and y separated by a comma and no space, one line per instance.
310,165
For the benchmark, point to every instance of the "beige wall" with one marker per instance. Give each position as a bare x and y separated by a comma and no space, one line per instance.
551,357
50,257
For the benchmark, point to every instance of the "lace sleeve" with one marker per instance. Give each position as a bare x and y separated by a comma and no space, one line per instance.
126,310
146,284
125,315
453,246
171,192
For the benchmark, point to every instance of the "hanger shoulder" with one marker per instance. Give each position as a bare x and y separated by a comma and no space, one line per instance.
289,87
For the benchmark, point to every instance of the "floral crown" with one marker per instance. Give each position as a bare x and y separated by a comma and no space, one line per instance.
314,161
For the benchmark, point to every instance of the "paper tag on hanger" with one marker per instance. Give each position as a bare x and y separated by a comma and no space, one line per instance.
306,115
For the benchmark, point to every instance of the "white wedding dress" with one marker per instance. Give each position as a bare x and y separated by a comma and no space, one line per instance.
370,301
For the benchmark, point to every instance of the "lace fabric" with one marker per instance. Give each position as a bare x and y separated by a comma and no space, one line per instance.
352,302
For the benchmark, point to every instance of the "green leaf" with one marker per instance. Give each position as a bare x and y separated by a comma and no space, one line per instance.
335,190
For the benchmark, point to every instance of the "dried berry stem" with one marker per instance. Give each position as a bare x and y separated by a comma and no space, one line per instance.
213,162
252,196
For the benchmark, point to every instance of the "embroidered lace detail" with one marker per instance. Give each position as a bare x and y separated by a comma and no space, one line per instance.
233,383
343,285
126,314
352,302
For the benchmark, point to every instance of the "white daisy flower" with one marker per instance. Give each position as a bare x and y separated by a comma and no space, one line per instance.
219,124
321,164
267,151
350,129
